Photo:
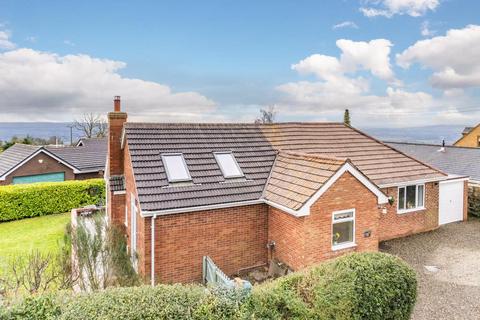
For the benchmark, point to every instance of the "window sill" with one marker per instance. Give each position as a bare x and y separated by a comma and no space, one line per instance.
410,210
343,246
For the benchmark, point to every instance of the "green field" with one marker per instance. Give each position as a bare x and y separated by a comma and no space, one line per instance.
42,233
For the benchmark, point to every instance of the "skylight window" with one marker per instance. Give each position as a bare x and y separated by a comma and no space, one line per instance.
176,167
228,165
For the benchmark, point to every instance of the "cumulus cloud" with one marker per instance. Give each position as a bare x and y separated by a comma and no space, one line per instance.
345,24
338,86
39,86
389,8
373,56
5,42
454,58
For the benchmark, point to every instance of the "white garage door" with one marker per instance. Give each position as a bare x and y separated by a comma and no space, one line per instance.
451,201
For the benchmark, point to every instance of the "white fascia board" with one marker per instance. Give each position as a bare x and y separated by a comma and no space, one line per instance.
46,152
405,183
146,213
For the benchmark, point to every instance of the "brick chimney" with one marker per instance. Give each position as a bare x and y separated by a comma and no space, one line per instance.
116,119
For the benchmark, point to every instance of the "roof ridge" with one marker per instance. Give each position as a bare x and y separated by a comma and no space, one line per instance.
231,123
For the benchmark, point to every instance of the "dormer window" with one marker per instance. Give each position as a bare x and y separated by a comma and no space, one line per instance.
176,167
228,165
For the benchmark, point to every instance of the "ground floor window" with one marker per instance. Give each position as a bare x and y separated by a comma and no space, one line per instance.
343,228
411,197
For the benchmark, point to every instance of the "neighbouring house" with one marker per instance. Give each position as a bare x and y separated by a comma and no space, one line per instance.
23,163
245,194
454,160
470,137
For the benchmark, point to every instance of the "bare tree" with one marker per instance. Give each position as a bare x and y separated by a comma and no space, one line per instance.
91,125
267,115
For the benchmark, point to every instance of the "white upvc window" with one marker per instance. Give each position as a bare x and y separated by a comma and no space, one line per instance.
343,229
176,167
228,165
411,198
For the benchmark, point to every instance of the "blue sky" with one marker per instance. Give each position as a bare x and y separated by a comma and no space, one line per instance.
233,57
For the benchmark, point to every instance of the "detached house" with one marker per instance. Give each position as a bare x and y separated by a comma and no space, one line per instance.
243,194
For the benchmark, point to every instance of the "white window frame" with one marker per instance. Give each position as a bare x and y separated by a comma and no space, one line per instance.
343,245
417,208
241,175
170,179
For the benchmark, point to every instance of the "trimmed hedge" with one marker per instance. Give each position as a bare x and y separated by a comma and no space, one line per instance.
39,199
355,286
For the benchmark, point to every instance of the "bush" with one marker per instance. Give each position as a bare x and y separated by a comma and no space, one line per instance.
474,201
39,199
355,286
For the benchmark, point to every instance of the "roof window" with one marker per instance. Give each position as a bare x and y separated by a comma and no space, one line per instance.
228,164
176,167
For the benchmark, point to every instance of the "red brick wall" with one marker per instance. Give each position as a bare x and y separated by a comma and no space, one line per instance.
394,225
234,238
89,175
305,241
288,232
32,167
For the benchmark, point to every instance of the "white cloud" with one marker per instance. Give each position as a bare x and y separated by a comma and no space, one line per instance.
339,87
425,29
373,56
5,42
39,86
389,8
454,58
69,43
345,24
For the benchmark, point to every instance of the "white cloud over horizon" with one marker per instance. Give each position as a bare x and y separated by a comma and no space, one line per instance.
5,42
389,8
38,86
338,86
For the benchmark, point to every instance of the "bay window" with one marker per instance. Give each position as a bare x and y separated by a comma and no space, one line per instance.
411,198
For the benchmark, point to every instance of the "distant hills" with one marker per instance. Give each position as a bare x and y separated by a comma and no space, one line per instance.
427,134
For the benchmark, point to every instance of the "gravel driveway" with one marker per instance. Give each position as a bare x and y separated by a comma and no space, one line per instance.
447,262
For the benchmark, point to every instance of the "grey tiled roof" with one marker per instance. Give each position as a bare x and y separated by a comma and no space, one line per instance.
455,160
197,142
117,183
14,155
255,147
91,157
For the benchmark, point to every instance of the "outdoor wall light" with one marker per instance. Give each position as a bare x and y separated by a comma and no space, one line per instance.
40,160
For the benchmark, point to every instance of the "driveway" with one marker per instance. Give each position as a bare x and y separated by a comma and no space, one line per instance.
447,262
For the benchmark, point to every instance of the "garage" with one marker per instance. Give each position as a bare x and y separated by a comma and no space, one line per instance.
45,177
451,201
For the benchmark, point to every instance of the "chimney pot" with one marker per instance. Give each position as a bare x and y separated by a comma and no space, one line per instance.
116,104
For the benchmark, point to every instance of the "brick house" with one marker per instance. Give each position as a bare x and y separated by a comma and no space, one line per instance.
244,194
23,163
470,137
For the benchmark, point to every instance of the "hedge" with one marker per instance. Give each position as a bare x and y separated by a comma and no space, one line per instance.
355,286
39,199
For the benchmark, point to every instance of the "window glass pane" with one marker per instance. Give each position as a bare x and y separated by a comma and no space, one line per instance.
228,165
342,232
420,196
401,198
175,168
411,197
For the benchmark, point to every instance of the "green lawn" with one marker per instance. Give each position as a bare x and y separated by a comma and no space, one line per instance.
22,236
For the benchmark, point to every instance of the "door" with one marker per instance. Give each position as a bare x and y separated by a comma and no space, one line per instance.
46,177
451,201
133,229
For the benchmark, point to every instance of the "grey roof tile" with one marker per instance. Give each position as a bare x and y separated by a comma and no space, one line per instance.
255,148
